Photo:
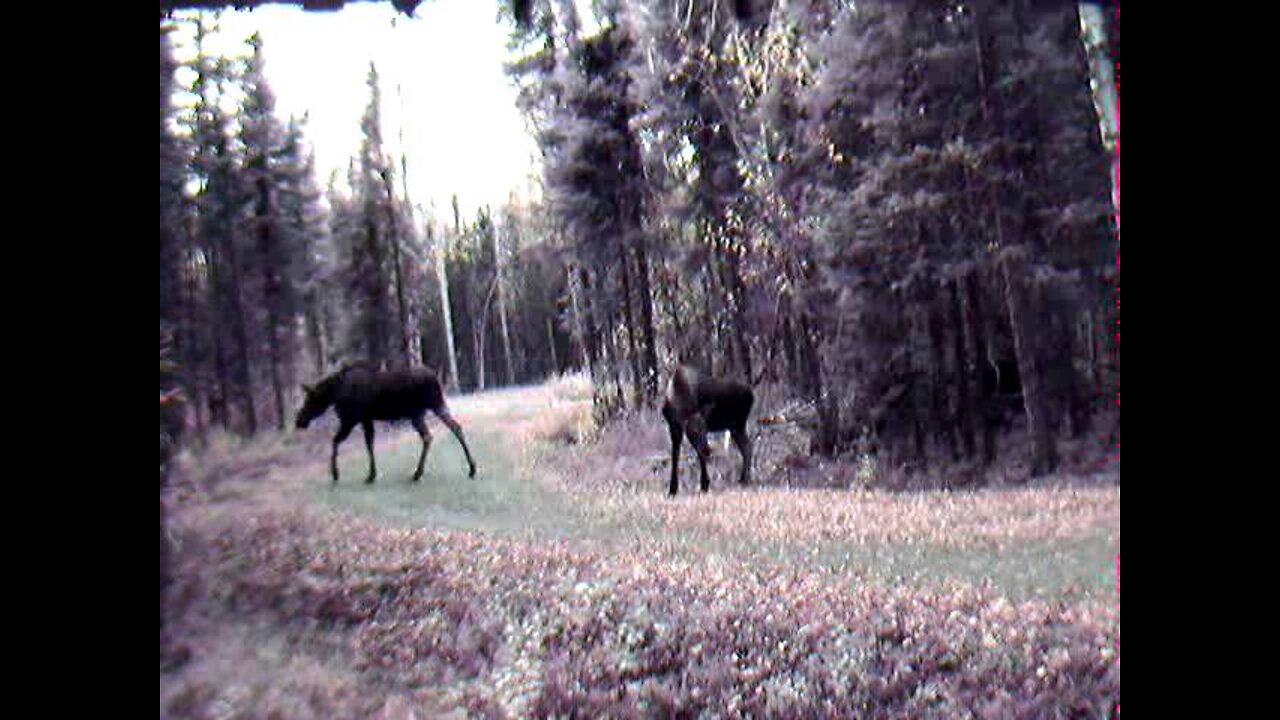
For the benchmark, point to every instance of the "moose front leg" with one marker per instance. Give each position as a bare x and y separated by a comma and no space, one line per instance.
343,431
702,467
367,426
677,436
695,429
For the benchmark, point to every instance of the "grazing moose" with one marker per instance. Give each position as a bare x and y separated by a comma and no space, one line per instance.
361,394
696,405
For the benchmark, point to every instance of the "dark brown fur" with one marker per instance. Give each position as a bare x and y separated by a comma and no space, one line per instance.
696,405
361,394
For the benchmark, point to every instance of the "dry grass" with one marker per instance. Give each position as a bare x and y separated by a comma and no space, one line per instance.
624,474
519,629
565,418
616,601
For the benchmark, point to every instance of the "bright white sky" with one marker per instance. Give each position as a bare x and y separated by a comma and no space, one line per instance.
456,109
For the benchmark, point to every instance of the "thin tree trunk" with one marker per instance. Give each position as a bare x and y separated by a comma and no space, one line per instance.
824,443
477,340
596,344
395,237
375,292
637,395
502,311
316,333
1094,35
445,312
986,410
711,349
271,292
940,417
917,395
735,298
478,331
195,375
646,320
218,397
239,329
551,344
964,404
1030,365
580,319
673,308
789,349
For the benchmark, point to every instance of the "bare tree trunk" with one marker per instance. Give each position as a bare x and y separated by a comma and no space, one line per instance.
316,333
673,309
194,367
240,333
375,290
986,410
964,404
271,291
551,344
1030,364
445,312
219,395
918,399
596,346
1106,91
824,443
477,343
646,320
1091,342
502,311
940,417
615,361
406,347
735,299
791,350
711,349
579,318
633,353
478,332
277,387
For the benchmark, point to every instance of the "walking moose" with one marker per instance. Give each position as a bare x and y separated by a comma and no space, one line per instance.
360,394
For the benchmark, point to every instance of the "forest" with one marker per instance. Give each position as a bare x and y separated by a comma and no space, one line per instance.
897,222
917,261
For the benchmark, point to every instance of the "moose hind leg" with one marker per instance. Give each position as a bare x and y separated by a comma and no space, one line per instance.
453,426
367,426
421,426
743,441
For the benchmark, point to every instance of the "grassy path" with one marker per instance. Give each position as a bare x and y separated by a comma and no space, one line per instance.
510,496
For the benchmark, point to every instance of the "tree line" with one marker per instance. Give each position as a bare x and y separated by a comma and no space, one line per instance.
269,279
898,213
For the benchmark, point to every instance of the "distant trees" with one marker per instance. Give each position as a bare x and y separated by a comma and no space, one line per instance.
267,280
896,213
239,241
